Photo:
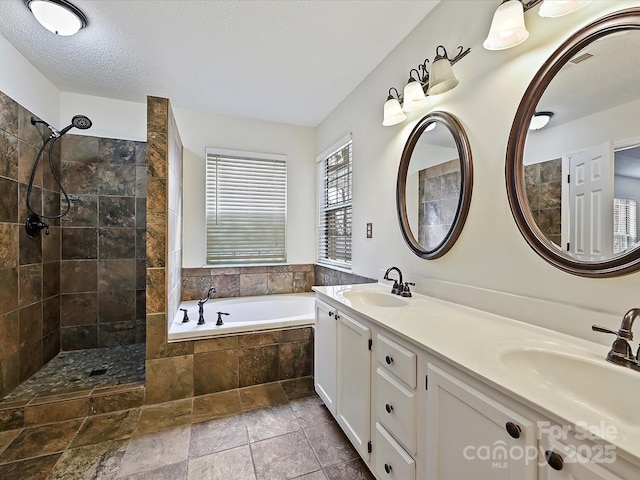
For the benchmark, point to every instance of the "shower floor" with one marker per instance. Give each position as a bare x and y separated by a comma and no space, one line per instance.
84,370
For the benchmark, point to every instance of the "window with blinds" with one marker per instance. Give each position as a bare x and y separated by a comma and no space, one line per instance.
334,242
625,228
246,207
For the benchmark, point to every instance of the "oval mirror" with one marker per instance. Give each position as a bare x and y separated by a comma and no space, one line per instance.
433,191
574,184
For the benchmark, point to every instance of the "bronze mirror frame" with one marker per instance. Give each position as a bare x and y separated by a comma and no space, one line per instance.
466,182
622,264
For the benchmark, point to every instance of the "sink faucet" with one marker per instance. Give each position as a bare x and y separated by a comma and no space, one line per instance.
397,284
620,352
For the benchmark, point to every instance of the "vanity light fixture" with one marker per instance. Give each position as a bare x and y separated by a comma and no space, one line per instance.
439,79
508,28
540,120
58,16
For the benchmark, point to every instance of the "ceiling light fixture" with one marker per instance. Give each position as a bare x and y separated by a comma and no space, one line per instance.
508,28
540,120
58,16
439,79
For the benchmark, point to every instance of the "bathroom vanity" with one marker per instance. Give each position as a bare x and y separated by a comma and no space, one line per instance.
427,389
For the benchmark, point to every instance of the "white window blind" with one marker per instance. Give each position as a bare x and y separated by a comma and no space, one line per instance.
625,228
334,242
246,205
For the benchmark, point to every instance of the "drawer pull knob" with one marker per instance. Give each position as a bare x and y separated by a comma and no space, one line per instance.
388,408
513,430
387,468
388,359
331,314
554,460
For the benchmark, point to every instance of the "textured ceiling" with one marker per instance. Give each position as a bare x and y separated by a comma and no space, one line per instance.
290,61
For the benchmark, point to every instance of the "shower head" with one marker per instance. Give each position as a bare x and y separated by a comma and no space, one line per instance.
79,121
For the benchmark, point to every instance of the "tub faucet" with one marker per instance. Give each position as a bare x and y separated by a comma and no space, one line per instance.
620,352
397,284
201,302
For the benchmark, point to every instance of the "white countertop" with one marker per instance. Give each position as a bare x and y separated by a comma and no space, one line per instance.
476,342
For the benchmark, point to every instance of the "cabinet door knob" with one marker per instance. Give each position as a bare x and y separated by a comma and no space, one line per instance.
388,408
331,314
513,430
387,468
388,359
554,460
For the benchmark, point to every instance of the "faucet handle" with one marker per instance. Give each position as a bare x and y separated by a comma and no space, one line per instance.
598,328
397,288
406,291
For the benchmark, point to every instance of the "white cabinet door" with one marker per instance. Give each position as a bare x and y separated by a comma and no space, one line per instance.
324,356
354,382
467,435
568,462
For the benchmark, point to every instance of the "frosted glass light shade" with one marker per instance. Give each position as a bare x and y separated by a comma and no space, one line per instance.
558,8
58,16
414,97
441,77
540,120
393,113
507,27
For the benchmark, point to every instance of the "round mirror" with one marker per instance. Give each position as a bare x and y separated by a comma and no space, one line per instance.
574,182
433,191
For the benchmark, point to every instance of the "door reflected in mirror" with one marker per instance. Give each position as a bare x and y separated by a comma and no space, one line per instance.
434,184
582,171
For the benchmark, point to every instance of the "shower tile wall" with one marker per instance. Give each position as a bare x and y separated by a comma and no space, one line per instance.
438,197
103,263
544,192
29,267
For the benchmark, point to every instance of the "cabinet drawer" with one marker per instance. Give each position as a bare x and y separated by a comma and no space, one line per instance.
396,359
396,409
392,462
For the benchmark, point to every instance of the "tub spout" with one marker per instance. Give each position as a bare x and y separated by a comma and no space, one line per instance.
201,302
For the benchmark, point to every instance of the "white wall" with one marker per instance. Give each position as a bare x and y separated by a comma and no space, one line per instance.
491,255
26,85
199,131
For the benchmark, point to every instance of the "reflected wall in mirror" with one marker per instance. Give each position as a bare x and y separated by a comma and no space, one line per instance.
434,185
574,185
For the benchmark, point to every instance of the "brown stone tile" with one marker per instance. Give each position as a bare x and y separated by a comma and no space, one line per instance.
51,245
101,460
9,155
297,334
156,290
156,155
117,243
226,285
270,422
9,334
111,426
10,379
152,452
51,315
279,268
168,472
118,400
295,359
253,284
6,438
215,371
32,469
30,248
79,338
351,470
280,282
44,439
9,290
156,200
8,200
330,444
286,456
193,287
83,211
117,152
260,396
169,379
156,245
50,279
311,412
57,411
117,179
303,281
257,365
9,242
68,394
297,388
30,324
117,333
116,306
79,178
79,148
257,339
217,435
164,416
78,276
117,212
9,109
78,309
215,405
117,274
156,339
11,417
31,359
30,284
215,344
50,346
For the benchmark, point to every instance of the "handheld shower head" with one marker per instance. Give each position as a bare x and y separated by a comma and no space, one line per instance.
79,121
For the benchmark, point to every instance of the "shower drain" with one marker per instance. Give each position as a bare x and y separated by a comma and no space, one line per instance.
98,371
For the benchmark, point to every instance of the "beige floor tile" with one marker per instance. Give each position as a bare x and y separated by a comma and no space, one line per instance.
330,444
176,471
260,396
156,450
216,435
353,470
233,464
270,422
286,456
311,411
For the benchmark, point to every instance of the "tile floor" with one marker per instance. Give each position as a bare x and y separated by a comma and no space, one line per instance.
277,433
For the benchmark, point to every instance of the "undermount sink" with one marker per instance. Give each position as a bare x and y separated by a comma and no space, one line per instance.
377,299
609,390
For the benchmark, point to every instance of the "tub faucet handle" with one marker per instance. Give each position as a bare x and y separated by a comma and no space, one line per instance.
185,319
220,322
